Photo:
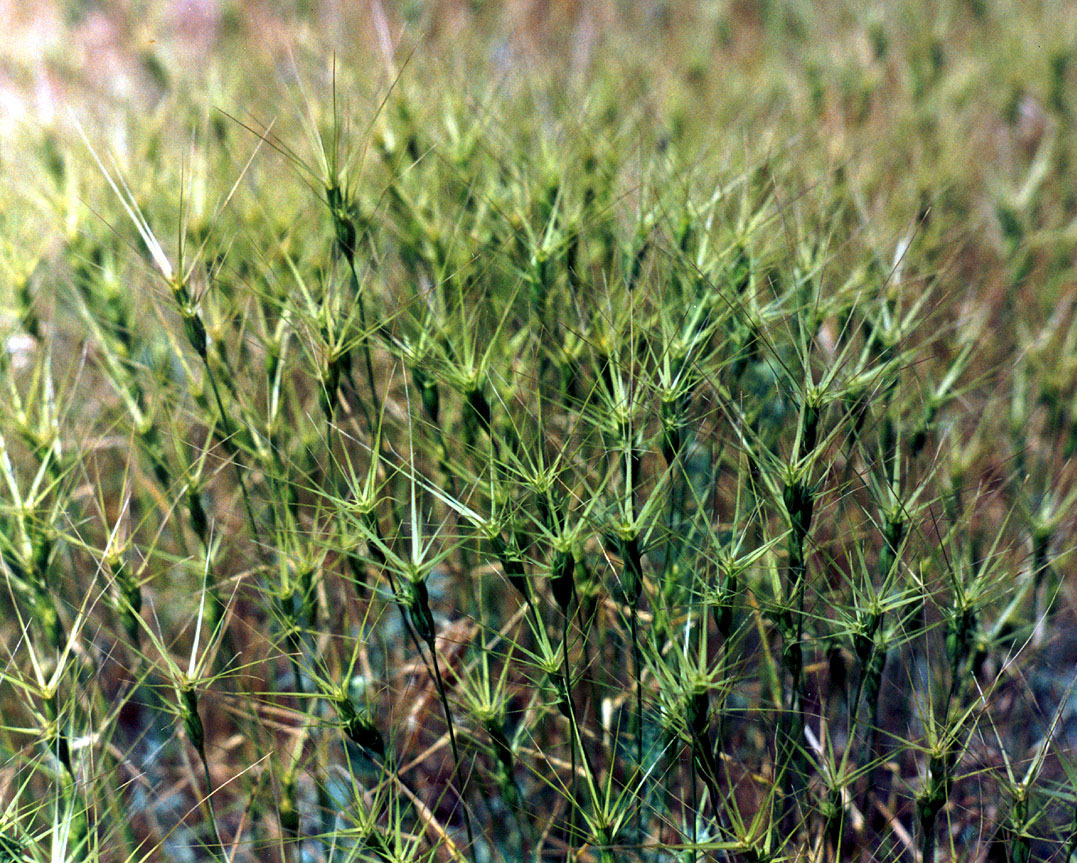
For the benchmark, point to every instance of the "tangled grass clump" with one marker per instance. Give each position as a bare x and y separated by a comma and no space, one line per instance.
476,477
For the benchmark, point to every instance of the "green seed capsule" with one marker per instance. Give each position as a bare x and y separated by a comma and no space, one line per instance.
562,584
632,579
799,502
723,609
365,735
428,391
480,408
502,748
421,615
698,710
359,728
196,332
191,720
343,226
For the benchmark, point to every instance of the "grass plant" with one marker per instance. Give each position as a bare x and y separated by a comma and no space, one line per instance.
482,460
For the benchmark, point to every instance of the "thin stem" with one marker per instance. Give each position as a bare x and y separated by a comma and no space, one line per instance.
566,677
367,362
462,783
235,457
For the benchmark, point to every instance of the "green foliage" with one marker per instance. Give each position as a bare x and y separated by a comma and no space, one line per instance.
442,471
